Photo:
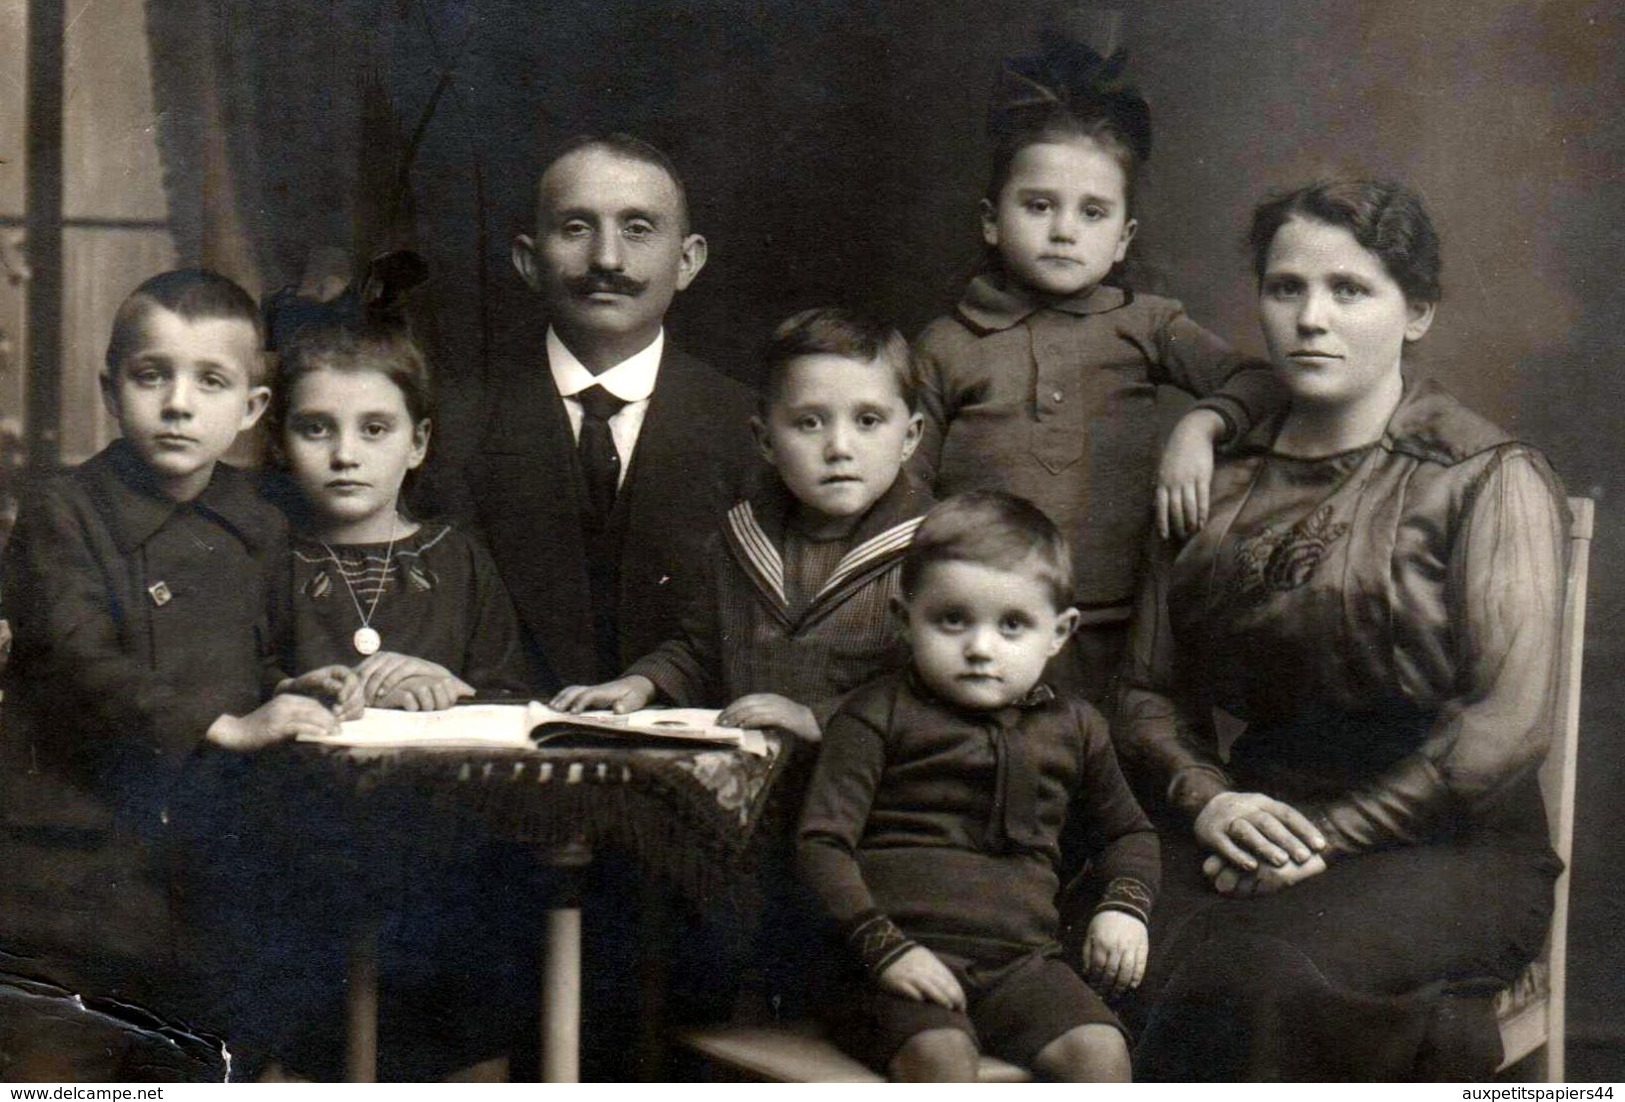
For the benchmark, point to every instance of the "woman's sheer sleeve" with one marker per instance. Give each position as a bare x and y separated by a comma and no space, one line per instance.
1164,738
1504,591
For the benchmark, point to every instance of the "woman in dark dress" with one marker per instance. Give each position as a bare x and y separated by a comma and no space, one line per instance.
1340,691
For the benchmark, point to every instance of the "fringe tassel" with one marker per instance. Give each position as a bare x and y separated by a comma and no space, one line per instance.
647,805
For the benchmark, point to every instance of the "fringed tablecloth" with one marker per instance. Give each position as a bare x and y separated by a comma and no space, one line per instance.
691,817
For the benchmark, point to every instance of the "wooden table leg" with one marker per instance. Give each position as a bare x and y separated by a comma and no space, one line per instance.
561,966
361,1011
561,997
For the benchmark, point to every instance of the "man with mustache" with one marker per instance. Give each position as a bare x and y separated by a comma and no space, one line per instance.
598,479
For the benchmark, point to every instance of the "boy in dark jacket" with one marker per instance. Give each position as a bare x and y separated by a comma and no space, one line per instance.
136,586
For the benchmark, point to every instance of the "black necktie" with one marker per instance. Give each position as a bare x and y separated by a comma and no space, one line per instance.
600,465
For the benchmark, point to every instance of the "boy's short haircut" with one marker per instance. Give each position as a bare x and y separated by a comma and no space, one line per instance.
194,294
633,149
837,331
993,529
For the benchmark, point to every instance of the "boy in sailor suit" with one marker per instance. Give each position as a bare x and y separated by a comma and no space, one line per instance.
796,612
802,575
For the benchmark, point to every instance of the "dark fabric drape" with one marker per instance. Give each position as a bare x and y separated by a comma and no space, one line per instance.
259,127
284,127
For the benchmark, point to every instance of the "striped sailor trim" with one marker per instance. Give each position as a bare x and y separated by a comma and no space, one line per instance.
889,544
858,568
757,555
763,562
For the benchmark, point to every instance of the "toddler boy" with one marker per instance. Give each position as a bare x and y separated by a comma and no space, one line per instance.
135,586
933,825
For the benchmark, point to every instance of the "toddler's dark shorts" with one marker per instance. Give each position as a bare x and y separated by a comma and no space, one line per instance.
1015,1008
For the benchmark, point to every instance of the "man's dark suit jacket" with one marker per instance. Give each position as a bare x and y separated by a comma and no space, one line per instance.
521,490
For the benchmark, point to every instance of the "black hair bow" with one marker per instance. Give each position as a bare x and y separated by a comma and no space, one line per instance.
1069,76
378,298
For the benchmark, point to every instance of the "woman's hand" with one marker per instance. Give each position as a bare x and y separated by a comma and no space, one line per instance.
1185,474
760,710
1229,880
1242,827
919,974
624,694
1114,952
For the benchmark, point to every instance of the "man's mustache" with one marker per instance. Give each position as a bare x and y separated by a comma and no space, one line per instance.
601,282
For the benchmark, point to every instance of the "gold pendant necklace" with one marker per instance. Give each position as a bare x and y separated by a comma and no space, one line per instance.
366,639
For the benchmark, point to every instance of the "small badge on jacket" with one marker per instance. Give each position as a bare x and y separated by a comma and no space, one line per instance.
160,593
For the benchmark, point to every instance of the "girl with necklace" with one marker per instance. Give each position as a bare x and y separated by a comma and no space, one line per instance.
416,608
418,611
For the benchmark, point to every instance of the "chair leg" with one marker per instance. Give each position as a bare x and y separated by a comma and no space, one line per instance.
1552,1058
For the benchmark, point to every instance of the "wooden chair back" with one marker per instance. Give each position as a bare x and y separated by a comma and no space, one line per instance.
1532,1013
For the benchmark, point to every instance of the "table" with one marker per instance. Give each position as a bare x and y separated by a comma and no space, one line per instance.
690,817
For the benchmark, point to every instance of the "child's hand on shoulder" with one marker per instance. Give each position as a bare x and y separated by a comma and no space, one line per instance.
285,716
338,687
623,695
763,710
1114,952
1185,475
919,974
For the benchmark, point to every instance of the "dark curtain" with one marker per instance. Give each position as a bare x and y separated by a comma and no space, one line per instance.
260,117
285,127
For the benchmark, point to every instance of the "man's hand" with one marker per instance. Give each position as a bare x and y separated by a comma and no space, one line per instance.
763,710
919,974
283,717
623,695
1185,475
1114,952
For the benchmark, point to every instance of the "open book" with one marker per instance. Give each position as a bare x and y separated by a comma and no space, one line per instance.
534,724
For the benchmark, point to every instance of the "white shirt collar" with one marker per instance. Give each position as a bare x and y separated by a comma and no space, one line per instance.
631,380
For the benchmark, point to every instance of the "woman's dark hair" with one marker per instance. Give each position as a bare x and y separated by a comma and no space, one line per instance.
1385,217
386,347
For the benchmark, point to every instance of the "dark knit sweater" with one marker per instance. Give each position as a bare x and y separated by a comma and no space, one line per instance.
928,823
